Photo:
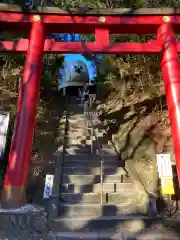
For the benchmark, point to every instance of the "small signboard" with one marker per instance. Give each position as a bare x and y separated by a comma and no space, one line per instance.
4,124
48,186
165,173
167,186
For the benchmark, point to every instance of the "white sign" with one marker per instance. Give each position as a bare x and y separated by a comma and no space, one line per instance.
48,186
4,123
164,165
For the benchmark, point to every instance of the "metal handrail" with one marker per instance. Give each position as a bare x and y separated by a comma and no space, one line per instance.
99,146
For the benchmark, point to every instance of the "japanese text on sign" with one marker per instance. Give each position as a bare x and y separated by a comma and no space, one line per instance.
48,186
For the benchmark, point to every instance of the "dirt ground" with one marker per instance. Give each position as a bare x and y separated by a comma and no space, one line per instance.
47,140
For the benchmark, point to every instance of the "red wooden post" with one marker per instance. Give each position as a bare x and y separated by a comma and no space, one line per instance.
21,146
171,75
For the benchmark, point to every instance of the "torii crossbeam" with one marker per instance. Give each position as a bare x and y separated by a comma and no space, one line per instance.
164,23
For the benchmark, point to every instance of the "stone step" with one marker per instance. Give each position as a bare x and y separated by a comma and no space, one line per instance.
75,117
102,139
78,106
90,158
77,111
76,150
74,141
115,198
78,136
102,235
97,210
112,170
77,139
106,152
87,188
74,129
106,149
96,188
78,122
77,127
80,139
92,179
91,163
75,103
87,147
130,227
82,129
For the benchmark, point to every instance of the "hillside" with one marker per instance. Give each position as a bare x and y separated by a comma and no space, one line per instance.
132,107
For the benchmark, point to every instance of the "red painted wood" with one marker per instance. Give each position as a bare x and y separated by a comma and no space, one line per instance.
51,46
166,44
87,24
171,75
20,152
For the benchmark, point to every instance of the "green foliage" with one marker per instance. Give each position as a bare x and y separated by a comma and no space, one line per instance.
134,4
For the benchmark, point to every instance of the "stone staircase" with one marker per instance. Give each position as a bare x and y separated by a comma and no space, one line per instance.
88,209
88,199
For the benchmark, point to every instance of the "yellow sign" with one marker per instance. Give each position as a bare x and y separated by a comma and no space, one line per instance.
167,186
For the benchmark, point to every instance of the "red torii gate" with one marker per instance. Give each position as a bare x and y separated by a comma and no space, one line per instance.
102,22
